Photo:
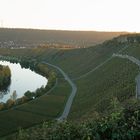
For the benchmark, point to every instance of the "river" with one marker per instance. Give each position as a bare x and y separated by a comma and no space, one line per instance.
22,80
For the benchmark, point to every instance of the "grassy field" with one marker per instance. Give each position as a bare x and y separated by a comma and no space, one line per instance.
116,78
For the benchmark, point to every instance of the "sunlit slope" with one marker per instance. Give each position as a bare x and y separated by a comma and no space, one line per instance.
34,37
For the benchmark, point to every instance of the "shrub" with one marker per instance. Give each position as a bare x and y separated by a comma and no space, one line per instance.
10,103
2,106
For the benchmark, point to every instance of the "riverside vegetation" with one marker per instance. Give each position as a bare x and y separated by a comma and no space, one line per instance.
5,76
104,107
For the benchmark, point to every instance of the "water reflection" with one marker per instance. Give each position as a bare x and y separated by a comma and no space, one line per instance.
22,80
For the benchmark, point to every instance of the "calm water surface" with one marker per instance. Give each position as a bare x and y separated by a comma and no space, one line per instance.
22,80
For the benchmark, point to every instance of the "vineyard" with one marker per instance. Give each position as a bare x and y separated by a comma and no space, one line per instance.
100,79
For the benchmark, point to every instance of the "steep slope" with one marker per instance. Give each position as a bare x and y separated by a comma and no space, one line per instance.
75,62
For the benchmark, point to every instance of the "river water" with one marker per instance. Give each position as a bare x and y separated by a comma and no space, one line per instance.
22,80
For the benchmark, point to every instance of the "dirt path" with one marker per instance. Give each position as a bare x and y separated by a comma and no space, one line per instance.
97,67
72,95
100,65
137,62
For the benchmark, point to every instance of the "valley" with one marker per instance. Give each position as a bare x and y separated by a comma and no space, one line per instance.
92,77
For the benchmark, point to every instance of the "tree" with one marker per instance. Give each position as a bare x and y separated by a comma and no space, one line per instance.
14,95
9,103
1,106
29,94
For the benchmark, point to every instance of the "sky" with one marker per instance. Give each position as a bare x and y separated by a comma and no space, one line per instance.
99,15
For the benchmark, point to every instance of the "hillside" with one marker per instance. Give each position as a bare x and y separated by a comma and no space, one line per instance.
98,75
16,38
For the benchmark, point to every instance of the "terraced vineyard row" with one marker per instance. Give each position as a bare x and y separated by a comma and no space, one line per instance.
115,78
44,108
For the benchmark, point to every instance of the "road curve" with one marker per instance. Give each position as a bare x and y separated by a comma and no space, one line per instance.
137,62
72,95
131,58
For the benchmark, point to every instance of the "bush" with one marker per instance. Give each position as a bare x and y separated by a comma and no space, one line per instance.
21,100
10,103
2,106
121,124
29,94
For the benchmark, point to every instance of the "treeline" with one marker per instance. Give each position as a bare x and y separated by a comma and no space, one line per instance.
5,76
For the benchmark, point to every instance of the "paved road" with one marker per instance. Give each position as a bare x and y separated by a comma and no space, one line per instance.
138,87
131,58
72,95
137,62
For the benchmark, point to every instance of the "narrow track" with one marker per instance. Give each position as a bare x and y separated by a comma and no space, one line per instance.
137,62
72,94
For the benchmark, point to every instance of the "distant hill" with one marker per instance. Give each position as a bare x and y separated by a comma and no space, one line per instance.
52,38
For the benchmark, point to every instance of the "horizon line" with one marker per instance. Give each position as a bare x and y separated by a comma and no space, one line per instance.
72,30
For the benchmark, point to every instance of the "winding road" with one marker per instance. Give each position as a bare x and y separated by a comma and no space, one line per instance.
137,62
74,88
72,95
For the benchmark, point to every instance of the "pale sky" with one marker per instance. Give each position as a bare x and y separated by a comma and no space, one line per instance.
99,15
